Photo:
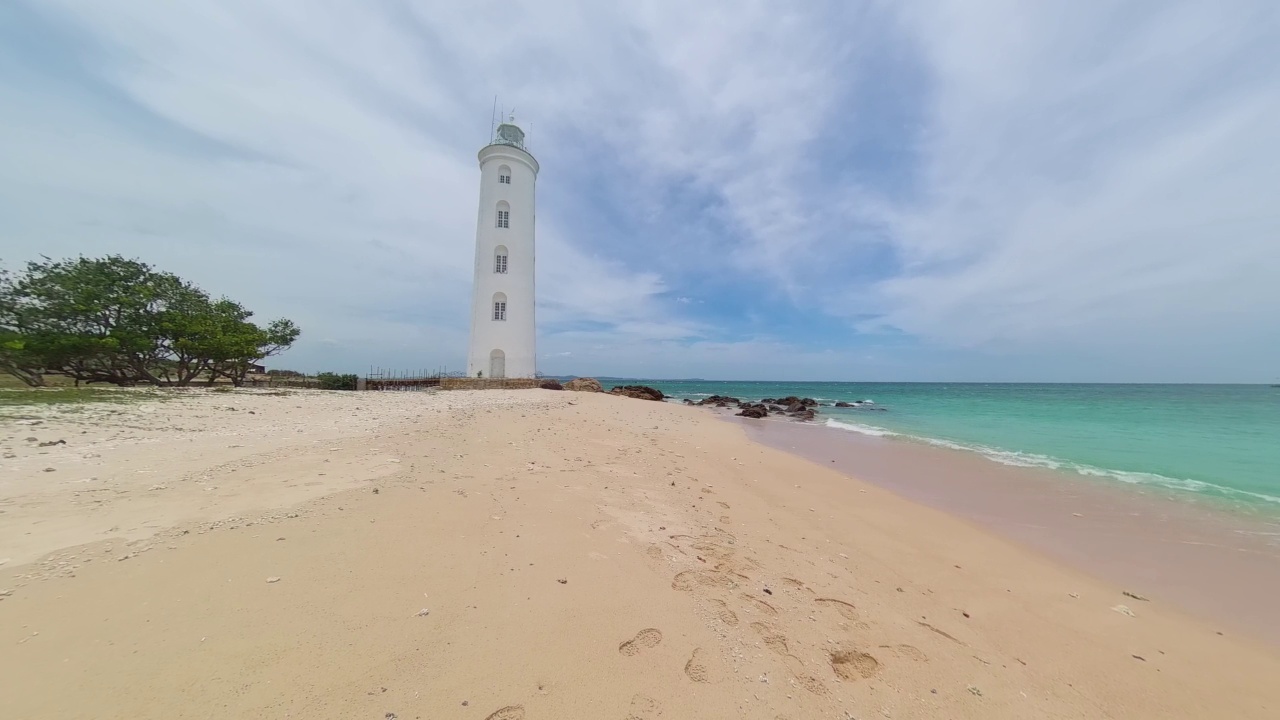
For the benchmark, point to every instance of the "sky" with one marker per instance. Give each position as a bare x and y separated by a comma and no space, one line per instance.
947,190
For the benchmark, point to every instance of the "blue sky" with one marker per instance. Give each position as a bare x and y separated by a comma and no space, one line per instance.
937,190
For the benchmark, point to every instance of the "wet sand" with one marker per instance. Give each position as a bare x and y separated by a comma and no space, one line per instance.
1222,566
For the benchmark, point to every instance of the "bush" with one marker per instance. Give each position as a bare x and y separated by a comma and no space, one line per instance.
334,381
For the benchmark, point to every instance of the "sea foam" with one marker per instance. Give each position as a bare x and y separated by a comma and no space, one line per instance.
1034,460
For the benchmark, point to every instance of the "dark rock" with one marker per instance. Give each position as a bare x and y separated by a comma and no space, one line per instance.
843,404
793,400
719,401
777,408
805,414
551,385
639,392
753,411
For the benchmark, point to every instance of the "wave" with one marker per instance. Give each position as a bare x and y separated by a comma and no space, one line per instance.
1021,459
860,428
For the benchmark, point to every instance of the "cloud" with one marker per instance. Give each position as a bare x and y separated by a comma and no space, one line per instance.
1092,175
938,185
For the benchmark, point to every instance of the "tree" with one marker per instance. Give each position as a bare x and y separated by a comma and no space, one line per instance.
16,357
245,343
120,321
88,319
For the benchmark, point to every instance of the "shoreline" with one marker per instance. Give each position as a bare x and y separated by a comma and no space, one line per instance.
1189,551
1207,442
528,555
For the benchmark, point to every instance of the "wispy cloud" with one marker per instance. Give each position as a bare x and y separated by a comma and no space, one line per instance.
836,189
1093,174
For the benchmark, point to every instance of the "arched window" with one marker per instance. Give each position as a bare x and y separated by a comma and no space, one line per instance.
503,219
504,175
499,306
500,259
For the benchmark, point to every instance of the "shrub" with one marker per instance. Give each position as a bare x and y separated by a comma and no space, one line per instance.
335,381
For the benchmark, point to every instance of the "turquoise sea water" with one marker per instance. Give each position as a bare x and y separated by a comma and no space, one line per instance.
1209,441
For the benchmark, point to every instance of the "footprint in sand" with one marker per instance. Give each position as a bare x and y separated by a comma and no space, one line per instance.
696,668
761,605
793,583
690,579
910,652
724,614
645,639
723,504
812,684
777,643
644,707
845,609
854,664
510,712
772,639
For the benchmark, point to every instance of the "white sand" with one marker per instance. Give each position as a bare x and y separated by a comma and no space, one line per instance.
577,556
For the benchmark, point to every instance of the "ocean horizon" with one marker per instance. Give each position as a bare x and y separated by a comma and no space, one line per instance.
1213,442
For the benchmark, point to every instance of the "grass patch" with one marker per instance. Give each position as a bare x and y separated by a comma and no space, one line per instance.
17,404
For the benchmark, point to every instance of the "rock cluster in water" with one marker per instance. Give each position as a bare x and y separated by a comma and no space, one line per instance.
797,408
794,407
639,392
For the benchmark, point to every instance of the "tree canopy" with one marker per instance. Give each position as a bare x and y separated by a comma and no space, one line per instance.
116,320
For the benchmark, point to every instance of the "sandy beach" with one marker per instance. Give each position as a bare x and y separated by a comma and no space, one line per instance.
519,555
1219,564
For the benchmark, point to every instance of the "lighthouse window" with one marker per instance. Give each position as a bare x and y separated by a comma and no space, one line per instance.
504,179
504,218
500,259
500,310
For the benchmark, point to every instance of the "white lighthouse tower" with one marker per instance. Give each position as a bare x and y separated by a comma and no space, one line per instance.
502,301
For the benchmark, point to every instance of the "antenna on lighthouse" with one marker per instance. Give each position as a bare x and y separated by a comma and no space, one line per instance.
492,114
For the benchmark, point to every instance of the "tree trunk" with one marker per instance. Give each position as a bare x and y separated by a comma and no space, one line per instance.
32,378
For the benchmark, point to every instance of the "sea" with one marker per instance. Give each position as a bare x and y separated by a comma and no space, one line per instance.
1214,442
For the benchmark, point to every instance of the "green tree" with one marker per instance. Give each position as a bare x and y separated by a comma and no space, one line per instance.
120,321
16,357
242,344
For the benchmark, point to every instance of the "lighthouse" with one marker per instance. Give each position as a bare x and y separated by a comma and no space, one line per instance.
502,300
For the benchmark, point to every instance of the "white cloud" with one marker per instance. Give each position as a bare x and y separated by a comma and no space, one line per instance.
1080,173
1094,174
